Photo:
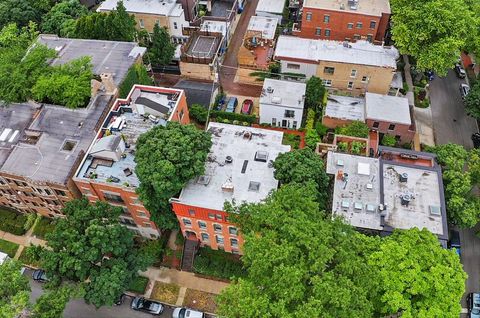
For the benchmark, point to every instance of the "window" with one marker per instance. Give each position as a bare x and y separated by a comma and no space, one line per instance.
126,221
373,24
232,230
219,217
205,237
191,212
376,124
326,18
175,26
293,66
391,127
350,85
202,225
350,26
309,16
140,21
353,73
254,186
233,242
113,197
328,70
369,37
219,239
211,216
141,214
364,79
359,25
217,227
187,222
181,114
327,32
274,121
147,224
318,31
356,36
327,83
136,201
60,192
289,114
294,125
48,192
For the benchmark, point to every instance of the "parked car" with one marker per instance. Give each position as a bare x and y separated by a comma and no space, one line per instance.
464,90
147,305
40,275
231,105
221,103
473,304
247,106
476,140
430,75
454,241
460,71
187,313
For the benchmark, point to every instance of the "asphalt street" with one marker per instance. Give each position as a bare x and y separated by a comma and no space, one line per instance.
452,124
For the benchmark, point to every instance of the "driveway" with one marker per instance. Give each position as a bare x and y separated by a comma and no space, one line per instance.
451,123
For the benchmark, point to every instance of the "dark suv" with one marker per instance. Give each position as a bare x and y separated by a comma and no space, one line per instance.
39,275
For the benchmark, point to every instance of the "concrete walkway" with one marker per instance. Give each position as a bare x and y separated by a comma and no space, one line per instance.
24,240
184,279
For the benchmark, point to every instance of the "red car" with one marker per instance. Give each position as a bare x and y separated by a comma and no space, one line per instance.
247,106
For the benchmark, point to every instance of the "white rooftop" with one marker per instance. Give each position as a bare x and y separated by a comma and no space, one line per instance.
356,195
361,52
345,107
263,24
244,179
214,26
158,7
387,108
367,7
424,209
283,93
270,6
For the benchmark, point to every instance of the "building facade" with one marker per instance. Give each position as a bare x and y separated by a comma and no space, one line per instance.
107,171
238,169
344,20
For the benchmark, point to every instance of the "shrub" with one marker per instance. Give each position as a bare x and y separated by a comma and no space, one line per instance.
12,222
218,264
311,135
321,129
221,116
342,146
199,113
356,147
389,141
138,285
43,227
354,129
291,140
31,256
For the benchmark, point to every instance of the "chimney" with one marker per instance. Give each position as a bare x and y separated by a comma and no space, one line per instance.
108,83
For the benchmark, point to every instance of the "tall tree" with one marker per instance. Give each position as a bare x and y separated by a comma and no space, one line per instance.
432,31
303,166
59,19
472,101
52,303
161,49
167,158
21,12
137,74
14,290
417,276
299,262
90,247
314,93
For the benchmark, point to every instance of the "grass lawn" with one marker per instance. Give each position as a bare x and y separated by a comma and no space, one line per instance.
44,226
138,285
165,292
12,222
200,300
8,247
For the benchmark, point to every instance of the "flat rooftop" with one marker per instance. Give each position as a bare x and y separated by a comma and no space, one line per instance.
106,56
360,52
267,26
203,46
157,7
387,108
249,175
48,146
270,6
365,7
283,93
110,158
214,26
345,107
222,8
356,193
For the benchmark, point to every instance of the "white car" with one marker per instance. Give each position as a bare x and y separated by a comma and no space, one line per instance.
464,90
187,313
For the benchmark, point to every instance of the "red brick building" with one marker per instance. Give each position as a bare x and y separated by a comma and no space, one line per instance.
107,172
344,20
238,169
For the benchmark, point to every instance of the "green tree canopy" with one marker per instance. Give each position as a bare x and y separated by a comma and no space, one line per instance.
354,129
21,12
472,101
137,74
52,303
432,31
59,19
314,93
161,49
299,262
89,246
303,166
417,276
389,141
167,158
14,290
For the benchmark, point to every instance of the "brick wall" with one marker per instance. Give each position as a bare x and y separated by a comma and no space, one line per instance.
403,131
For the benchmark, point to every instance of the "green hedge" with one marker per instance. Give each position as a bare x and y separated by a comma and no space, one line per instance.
43,227
8,247
218,264
138,285
12,222
220,115
311,135
199,113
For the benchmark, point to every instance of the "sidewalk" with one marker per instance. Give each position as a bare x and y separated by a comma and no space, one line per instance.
183,279
24,240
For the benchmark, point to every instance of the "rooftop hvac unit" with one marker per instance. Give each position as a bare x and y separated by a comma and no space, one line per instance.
228,159
405,199
269,90
403,177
